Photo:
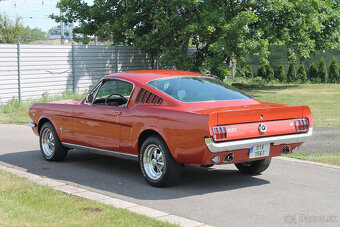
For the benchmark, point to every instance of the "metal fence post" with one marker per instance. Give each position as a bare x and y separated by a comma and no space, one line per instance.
116,57
73,69
19,71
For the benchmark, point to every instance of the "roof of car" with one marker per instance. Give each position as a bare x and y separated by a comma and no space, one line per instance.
144,76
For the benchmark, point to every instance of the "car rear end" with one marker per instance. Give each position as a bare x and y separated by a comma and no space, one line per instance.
248,133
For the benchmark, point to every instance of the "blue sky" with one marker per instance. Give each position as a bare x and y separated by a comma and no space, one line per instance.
34,13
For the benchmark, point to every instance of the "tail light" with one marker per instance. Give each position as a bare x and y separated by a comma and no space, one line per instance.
219,133
302,125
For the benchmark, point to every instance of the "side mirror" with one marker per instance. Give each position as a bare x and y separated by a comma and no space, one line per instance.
89,98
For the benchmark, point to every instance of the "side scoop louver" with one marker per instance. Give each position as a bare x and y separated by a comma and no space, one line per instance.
147,97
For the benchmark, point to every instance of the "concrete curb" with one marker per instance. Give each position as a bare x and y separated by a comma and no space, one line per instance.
118,203
308,162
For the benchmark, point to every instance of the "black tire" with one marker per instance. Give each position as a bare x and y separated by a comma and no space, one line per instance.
51,153
253,167
151,167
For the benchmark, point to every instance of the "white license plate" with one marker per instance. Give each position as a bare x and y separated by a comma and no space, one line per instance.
259,150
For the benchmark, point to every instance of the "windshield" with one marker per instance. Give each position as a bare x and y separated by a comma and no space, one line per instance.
197,89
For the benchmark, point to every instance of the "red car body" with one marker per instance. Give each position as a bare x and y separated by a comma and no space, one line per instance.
187,128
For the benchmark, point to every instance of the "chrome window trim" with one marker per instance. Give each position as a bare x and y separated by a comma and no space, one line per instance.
170,77
102,151
248,143
99,85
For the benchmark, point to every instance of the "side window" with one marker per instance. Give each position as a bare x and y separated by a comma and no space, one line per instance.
113,93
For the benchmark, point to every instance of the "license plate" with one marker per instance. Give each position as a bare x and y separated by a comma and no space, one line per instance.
259,150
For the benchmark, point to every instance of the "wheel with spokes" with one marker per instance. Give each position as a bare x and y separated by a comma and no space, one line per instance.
158,166
50,145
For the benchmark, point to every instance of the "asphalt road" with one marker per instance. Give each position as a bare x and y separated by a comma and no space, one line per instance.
288,193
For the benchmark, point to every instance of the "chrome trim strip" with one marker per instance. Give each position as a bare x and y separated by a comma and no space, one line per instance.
31,124
246,144
102,151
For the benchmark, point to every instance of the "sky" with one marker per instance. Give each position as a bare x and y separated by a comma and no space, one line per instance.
34,13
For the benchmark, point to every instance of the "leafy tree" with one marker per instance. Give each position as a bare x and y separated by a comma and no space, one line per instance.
14,31
281,74
269,72
314,74
334,74
262,72
291,76
323,70
221,31
301,74
248,72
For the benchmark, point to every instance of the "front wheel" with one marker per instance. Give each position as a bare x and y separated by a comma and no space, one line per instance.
158,166
50,145
253,167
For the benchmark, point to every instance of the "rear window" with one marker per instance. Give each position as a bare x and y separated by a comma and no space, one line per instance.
197,89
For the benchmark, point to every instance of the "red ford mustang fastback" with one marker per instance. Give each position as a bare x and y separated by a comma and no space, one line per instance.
166,119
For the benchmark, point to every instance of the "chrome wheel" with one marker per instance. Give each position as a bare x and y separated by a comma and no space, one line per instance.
154,161
47,142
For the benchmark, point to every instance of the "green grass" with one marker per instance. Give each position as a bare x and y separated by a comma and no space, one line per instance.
24,203
15,112
329,158
323,99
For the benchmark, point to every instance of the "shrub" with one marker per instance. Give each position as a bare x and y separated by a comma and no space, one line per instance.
334,74
248,72
281,74
261,72
323,70
313,74
269,72
301,74
291,76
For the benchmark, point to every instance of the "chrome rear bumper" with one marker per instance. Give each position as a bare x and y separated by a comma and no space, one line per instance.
248,143
32,125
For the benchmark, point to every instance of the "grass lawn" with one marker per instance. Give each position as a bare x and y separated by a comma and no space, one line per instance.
24,203
328,158
323,99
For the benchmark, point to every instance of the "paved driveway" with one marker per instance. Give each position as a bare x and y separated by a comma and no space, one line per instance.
288,192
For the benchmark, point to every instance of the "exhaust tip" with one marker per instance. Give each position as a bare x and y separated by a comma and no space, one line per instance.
285,150
229,157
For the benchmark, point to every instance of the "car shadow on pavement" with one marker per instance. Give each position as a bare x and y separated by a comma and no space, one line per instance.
113,176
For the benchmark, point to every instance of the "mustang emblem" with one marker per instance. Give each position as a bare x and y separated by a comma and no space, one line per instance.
262,128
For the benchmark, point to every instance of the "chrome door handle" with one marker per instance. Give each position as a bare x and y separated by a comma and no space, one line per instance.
117,112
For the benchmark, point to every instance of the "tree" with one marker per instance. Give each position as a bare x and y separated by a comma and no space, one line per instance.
291,76
14,31
323,70
314,74
221,31
248,72
334,74
262,72
301,74
269,72
281,74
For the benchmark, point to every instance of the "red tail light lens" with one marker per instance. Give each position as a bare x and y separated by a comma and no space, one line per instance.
302,125
219,133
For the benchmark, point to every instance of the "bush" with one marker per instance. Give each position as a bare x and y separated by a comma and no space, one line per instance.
248,72
281,74
301,74
323,70
269,72
261,72
313,74
291,76
334,75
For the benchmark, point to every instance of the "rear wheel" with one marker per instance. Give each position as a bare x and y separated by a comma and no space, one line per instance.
50,145
158,166
253,167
